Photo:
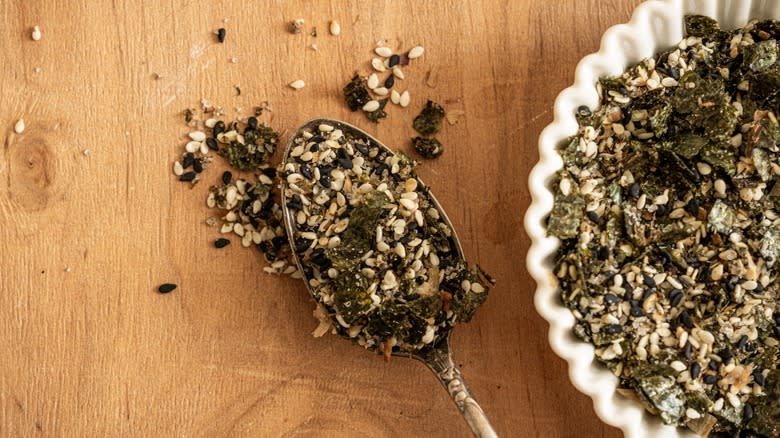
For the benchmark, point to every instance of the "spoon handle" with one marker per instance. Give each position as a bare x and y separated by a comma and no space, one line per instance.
439,360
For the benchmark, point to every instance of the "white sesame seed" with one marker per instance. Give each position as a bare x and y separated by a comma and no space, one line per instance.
192,146
693,414
198,135
325,128
335,28
178,170
19,126
36,33
404,101
204,148
384,51
210,123
381,91
400,250
370,106
416,52
378,65
734,400
395,97
678,366
477,288
297,84
382,247
397,72
227,227
720,187
372,81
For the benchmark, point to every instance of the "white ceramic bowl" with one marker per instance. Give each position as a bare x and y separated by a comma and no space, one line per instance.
656,25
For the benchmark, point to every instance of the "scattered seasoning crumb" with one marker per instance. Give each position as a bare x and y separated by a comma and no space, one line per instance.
221,242
238,90
37,70
427,147
314,32
297,84
221,34
68,269
431,78
416,52
335,28
234,60
87,152
36,33
383,51
314,47
378,65
428,122
296,26
19,126
356,93
166,288
404,99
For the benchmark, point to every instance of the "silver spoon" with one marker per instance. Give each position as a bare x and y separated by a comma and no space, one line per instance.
437,357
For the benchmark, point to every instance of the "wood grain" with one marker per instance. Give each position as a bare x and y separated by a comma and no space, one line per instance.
96,351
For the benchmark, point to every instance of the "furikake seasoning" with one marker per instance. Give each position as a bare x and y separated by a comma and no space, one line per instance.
668,212
381,260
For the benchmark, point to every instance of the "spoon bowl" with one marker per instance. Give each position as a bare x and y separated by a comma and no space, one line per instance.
436,354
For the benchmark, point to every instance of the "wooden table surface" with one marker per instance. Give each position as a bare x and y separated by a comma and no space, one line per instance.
87,345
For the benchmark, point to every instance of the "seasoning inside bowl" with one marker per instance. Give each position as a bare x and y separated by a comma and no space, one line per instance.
668,212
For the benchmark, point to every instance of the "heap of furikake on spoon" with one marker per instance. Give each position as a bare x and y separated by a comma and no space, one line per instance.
379,255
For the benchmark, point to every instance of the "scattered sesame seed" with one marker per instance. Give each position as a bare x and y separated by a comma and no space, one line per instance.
372,81
404,100
166,287
378,65
371,105
384,52
36,33
221,242
397,72
395,97
19,126
297,84
335,28
221,34
416,52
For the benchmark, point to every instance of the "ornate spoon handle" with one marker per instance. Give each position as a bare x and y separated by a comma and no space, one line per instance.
439,360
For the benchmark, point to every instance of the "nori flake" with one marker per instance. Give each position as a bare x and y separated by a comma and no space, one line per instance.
259,144
700,26
427,147
356,93
428,122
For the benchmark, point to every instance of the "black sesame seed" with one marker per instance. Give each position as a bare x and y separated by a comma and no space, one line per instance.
634,190
221,242
688,350
611,298
612,329
675,297
695,370
660,211
759,378
325,181
751,347
302,244
742,342
636,309
212,144
197,166
726,355
227,176
627,113
252,122
189,158
393,61
714,365
584,111
270,172
219,128
306,172
345,163
747,413
685,319
189,176
221,34
389,82
710,379
166,287
317,139
759,288
648,281
314,148
603,253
